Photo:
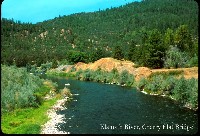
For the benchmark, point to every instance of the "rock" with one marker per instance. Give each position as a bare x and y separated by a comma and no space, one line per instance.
50,127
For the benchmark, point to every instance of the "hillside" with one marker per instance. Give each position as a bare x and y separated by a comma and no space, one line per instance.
88,37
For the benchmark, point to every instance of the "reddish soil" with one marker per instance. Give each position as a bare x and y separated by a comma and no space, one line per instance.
108,64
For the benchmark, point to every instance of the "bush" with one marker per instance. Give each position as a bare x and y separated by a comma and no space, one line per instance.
126,78
86,75
167,85
18,88
186,91
142,83
123,77
175,58
193,93
155,84
66,92
78,74
106,77
193,62
183,90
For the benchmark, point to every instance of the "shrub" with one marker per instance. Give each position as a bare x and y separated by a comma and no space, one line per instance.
86,75
193,62
106,77
175,58
168,84
193,93
123,77
156,83
142,83
18,88
66,92
78,74
180,90
186,91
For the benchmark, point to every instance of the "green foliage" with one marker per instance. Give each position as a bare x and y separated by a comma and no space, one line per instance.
126,79
84,37
192,93
78,74
112,77
175,58
54,72
118,54
142,83
193,62
54,64
183,38
155,84
180,90
26,121
169,37
183,90
186,91
18,88
97,54
87,74
76,56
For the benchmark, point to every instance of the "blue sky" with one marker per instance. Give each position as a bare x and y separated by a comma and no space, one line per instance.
34,11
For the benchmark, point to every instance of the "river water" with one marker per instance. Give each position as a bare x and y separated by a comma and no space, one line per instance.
110,109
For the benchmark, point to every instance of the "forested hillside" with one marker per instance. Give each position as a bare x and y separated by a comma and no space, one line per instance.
151,33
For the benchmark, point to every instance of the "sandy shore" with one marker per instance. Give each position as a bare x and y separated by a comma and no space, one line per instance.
50,126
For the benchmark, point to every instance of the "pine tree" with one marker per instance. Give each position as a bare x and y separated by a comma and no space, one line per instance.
118,54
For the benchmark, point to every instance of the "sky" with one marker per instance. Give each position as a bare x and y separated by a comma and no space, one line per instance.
34,11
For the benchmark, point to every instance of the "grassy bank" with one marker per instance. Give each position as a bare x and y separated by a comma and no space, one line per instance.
23,102
27,120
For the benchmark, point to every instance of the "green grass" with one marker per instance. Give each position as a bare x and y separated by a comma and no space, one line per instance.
26,121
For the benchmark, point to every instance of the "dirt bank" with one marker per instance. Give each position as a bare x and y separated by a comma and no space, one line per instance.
108,64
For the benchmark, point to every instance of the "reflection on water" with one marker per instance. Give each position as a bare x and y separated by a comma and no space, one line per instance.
110,109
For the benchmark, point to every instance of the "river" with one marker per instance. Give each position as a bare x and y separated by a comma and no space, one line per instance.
110,109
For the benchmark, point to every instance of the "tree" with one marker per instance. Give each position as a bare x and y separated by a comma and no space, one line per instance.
118,54
97,54
131,52
175,58
183,39
156,50
169,37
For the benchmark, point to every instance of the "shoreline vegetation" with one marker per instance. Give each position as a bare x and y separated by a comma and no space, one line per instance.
171,84
29,103
34,111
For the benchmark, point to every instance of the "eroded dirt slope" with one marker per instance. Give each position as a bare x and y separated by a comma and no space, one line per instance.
108,64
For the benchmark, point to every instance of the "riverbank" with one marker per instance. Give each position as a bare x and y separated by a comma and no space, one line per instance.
50,127
179,84
32,120
27,120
